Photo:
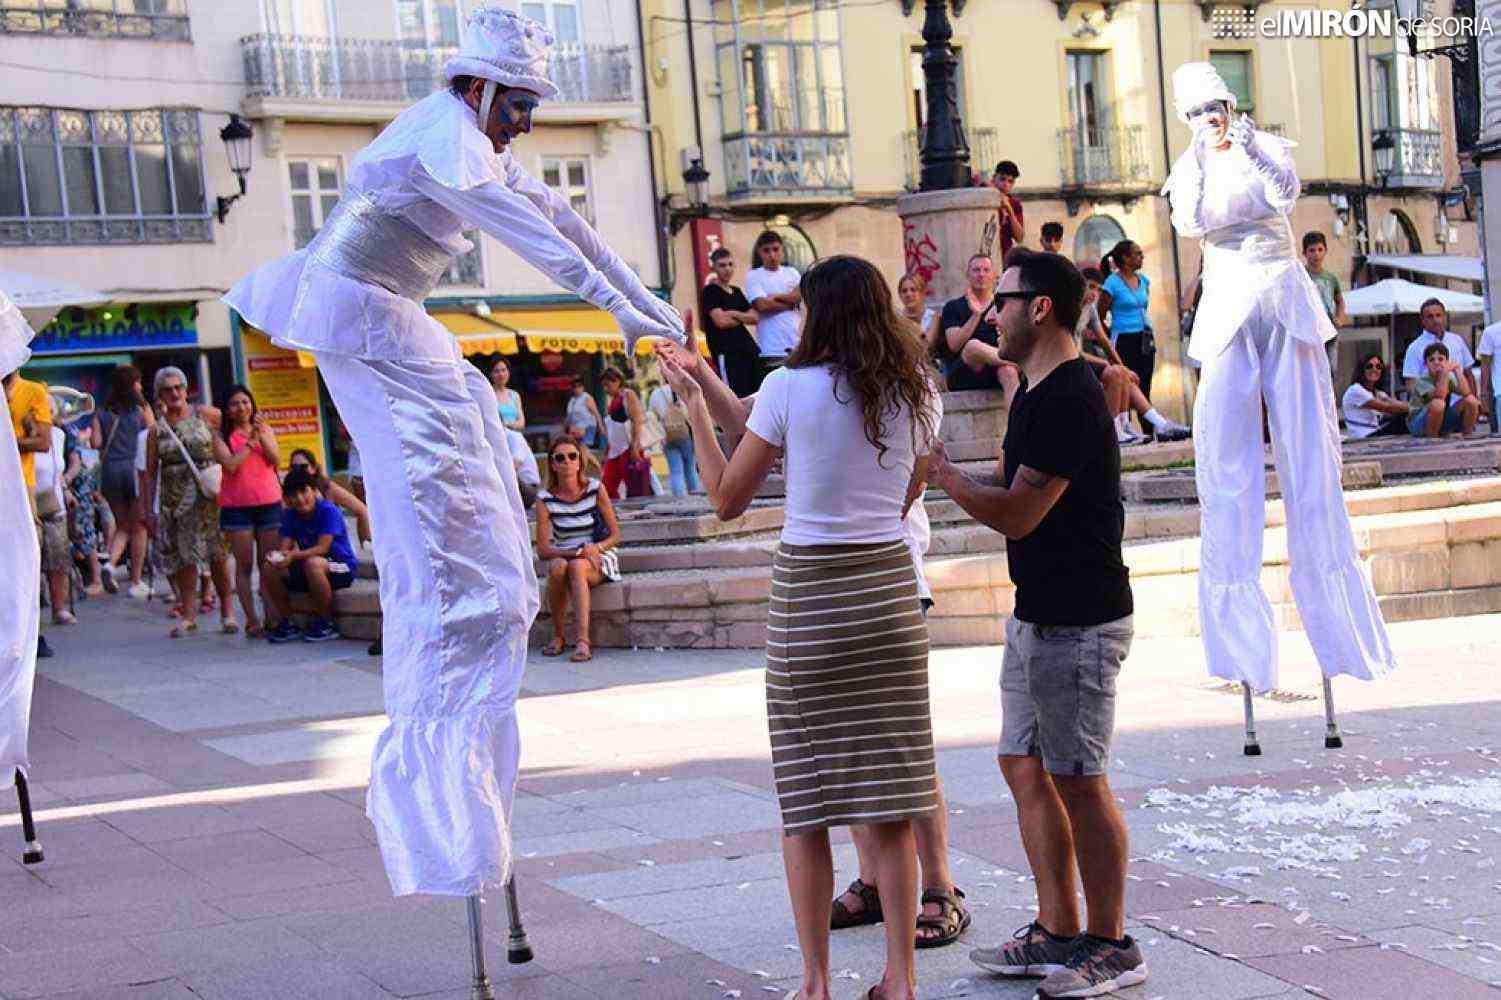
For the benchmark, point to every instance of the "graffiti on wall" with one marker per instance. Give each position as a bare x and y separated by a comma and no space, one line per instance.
921,252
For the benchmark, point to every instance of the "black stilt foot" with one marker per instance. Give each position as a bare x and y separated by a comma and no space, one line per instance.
1253,749
1333,742
32,853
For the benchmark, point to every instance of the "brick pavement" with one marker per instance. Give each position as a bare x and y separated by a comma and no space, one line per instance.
200,805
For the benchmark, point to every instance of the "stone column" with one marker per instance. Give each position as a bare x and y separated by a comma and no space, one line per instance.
1488,153
942,229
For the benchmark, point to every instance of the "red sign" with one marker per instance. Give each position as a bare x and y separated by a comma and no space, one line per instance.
707,236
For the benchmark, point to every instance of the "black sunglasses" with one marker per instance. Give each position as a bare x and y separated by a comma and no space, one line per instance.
1376,365
1021,294
565,456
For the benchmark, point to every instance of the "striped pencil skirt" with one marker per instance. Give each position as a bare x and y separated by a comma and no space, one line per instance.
847,687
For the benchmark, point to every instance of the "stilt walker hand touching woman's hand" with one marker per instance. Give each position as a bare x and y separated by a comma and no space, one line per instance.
1259,332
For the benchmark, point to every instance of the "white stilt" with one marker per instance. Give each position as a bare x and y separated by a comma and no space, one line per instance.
481,990
518,949
1332,738
1253,748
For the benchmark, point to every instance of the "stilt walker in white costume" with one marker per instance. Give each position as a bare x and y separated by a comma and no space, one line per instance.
1259,333
456,582
20,580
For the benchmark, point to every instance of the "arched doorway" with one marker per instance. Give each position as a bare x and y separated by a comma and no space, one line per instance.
1398,234
1096,236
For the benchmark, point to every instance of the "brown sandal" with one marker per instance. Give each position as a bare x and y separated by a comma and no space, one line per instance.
843,916
951,921
582,653
554,646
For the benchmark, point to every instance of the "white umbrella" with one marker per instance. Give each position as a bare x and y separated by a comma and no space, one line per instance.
40,299
1394,296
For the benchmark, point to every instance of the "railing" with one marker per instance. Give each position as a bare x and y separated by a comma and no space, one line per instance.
377,69
1409,157
791,165
984,152
168,22
1102,156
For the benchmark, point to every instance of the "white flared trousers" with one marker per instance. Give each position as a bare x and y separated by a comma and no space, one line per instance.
458,595
20,614
1332,590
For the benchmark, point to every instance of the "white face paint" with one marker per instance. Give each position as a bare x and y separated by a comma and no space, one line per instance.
1209,119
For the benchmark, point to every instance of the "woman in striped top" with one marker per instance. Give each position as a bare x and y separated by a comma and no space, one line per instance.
577,535
852,413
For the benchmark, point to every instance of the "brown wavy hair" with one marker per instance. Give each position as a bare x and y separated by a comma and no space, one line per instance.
852,325
588,464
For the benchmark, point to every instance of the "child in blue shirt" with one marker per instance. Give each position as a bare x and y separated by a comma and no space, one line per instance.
315,558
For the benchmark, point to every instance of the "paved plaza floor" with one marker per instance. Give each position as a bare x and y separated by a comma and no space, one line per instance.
200,803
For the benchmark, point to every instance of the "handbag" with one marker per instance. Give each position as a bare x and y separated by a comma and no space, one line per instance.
210,479
638,477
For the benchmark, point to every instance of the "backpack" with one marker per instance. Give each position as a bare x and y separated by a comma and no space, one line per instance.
677,422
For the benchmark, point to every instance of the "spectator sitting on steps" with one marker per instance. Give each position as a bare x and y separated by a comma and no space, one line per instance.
1123,394
577,535
1443,401
315,558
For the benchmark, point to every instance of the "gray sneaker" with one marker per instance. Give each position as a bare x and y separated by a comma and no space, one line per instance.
1031,952
1095,968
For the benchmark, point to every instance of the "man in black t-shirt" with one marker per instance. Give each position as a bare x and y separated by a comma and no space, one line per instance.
967,334
1057,499
725,311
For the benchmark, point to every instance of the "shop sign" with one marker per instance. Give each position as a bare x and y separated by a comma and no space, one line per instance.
119,328
286,394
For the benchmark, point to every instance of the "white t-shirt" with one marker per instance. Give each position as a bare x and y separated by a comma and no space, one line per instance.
50,466
1490,347
523,459
659,402
1412,361
837,492
1360,422
778,333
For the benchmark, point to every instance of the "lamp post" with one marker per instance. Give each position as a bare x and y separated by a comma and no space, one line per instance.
945,151
696,181
236,136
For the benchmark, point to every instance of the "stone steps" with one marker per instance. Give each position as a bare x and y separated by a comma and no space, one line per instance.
1432,539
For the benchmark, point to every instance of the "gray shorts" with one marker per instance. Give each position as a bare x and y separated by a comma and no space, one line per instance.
1058,693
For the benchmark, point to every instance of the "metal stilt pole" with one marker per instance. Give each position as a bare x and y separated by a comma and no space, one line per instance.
518,950
1253,748
1332,738
33,853
481,990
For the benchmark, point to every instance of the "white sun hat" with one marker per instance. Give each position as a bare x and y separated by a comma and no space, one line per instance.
1198,83
505,47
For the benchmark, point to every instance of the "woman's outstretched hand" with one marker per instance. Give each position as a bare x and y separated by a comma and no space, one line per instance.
685,355
682,383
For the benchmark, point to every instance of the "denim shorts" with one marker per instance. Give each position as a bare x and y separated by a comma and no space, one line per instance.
261,517
1058,693
1417,423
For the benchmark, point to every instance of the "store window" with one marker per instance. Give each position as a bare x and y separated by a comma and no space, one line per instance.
75,177
560,16
569,176
1234,67
429,23
314,184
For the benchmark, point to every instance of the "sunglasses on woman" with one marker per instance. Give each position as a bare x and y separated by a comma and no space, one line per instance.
559,457
1375,366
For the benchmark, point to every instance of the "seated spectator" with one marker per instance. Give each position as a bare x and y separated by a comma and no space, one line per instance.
1123,395
967,350
528,482
912,290
1435,320
315,558
577,535
1443,401
1369,410
1052,237
345,500
1013,225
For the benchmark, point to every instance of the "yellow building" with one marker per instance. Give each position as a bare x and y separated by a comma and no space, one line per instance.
806,114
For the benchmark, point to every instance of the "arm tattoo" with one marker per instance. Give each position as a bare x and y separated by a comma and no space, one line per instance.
1036,480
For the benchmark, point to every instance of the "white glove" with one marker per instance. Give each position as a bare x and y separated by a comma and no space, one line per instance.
663,312
1242,132
636,324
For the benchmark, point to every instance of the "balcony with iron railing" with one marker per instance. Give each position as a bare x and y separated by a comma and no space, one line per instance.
325,78
984,152
1408,157
1103,157
788,167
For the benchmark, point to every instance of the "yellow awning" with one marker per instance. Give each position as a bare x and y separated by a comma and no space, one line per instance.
577,329
478,334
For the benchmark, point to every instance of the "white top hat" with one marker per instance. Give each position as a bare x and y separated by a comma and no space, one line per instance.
503,46
1198,83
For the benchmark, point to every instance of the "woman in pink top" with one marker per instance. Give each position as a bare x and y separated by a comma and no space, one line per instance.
250,496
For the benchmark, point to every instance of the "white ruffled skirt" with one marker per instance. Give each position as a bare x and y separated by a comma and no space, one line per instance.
20,569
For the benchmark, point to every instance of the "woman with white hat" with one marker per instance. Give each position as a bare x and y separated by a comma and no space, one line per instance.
1259,332
456,579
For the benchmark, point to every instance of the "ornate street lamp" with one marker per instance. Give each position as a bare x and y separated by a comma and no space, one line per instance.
945,151
696,180
236,135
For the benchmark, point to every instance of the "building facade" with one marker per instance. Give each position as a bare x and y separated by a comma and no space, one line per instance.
112,168
807,115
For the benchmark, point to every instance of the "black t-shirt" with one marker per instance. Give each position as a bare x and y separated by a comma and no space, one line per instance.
956,312
1069,570
737,339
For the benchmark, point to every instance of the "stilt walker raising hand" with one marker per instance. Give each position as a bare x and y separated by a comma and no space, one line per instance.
451,542
1259,333
20,578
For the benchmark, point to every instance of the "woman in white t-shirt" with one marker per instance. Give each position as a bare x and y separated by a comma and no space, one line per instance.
1369,411
852,415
